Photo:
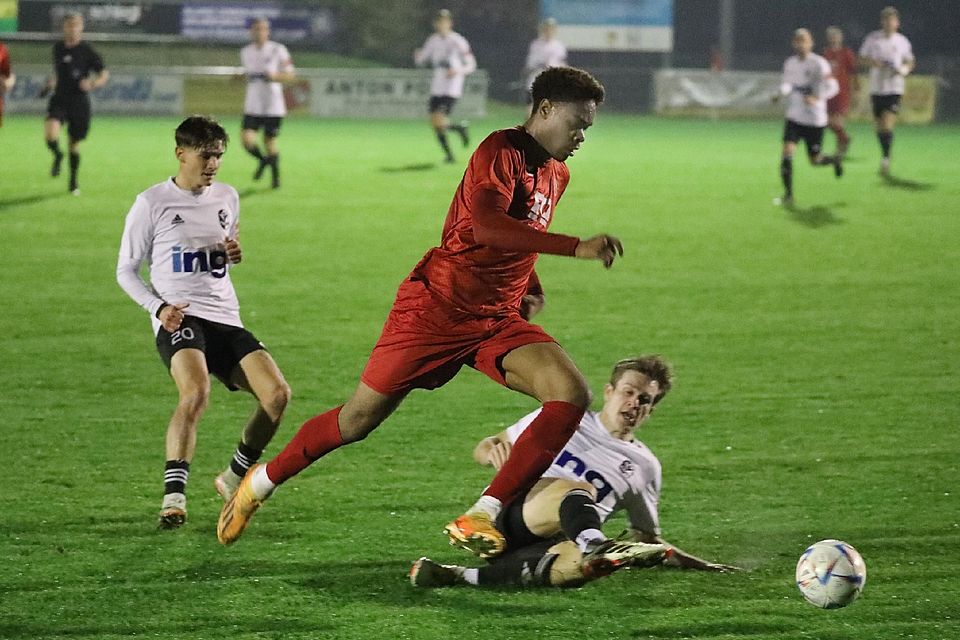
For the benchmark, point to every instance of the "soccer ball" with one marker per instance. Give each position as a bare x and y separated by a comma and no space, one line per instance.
831,574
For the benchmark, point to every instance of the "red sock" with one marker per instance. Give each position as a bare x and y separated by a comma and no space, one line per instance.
317,437
535,449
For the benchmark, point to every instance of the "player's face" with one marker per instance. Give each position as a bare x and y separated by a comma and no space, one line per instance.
443,26
564,126
260,31
199,166
802,44
834,39
73,29
890,23
627,405
549,31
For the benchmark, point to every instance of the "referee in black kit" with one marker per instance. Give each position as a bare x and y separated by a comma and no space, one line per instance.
78,70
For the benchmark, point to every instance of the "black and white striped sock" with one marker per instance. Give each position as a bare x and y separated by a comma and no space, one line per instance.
175,476
243,458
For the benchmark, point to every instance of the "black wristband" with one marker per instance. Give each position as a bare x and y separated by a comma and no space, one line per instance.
161,308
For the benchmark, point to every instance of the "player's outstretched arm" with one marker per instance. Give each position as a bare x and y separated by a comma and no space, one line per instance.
602,247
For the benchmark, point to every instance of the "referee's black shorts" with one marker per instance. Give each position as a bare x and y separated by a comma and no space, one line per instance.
75,111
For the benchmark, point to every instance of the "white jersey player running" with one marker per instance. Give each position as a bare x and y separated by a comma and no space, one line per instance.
185,229
266,66
554,532
807,84
545,51
889,56
448,53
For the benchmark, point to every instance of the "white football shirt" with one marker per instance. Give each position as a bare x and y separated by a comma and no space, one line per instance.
264,98
627,475
444,53
893,52
542,55
810,76
180,236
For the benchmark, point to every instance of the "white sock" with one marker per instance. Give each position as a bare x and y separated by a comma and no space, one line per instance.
261,484
488,505
230,478
471,576
589,537
174,500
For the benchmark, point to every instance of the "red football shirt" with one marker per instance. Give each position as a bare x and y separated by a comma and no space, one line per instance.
843,62
496,226
4,69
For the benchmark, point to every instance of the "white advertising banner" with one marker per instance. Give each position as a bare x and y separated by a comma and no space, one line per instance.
386,93
125,93
700,92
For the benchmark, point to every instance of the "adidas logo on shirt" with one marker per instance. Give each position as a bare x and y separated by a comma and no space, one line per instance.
177,219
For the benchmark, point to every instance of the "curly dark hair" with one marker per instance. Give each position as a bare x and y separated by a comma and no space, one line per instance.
566,84
652,366
198,132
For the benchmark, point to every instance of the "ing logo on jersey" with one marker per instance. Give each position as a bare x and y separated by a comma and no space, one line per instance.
212,262
542,209
579,468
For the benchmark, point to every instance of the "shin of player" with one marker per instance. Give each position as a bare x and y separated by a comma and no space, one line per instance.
78,70
448,53
467,303
807,84
889,56
266,66
186,229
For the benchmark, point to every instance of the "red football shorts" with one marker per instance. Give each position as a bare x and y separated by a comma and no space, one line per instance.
425,342
839,104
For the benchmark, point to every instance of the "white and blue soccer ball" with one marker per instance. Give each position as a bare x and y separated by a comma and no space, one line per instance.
831,574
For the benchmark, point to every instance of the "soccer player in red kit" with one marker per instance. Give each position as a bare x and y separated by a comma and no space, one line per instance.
7,77
843,61
466,303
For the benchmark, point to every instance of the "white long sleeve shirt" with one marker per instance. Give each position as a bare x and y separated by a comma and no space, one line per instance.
627,475
443,54
181,235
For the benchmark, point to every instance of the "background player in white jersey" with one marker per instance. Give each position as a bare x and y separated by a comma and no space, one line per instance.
449,54
266,65
545,51
889,56
807,84
186,229
553,533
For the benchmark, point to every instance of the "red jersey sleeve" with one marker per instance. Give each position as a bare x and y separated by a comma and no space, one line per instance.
490,200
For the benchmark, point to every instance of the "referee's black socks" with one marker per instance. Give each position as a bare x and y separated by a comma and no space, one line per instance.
74,167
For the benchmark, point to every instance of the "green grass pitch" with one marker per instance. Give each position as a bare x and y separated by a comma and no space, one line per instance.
816,354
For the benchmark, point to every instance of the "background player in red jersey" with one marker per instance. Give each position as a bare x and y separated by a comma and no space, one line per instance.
7,77
462,305
843,61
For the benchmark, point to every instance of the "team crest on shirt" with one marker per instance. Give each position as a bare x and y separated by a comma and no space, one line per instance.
626,468
222,214
542,209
